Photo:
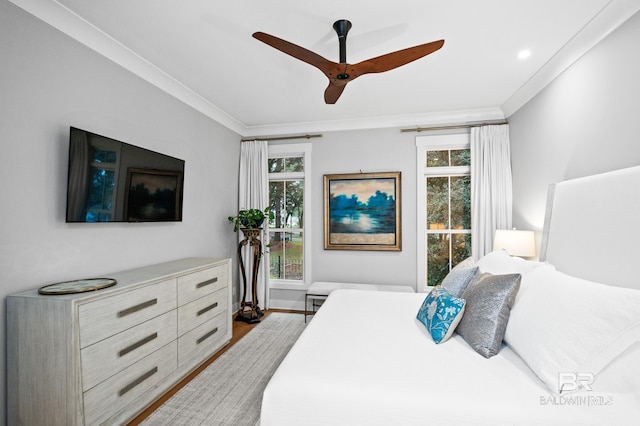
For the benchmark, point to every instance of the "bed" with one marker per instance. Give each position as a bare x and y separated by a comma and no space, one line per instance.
569,353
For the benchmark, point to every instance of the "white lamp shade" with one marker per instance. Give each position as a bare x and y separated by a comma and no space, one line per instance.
515,243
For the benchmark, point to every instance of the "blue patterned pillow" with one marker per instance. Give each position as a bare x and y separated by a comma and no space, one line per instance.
440,313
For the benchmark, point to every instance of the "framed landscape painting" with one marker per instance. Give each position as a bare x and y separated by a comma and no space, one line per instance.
362,211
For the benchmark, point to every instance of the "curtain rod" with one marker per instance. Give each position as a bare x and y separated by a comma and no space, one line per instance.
456,126
282,138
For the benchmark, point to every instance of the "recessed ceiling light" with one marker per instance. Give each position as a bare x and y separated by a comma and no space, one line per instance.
524,54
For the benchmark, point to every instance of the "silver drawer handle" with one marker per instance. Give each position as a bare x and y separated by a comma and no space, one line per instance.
136,308
204,283
136,345
206,336
137,381
207,309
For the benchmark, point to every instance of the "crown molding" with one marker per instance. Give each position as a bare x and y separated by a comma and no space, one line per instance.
612,15
58,16
73,25
68,22
414,120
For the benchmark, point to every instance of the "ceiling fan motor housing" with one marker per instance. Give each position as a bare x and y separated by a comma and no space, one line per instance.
342,28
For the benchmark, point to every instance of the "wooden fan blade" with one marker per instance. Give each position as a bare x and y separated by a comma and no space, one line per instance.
333,92
339,74
305,55
395,59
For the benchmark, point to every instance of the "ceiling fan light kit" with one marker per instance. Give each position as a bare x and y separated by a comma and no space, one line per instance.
339,74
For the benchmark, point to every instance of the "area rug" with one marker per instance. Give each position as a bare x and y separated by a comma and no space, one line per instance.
229,391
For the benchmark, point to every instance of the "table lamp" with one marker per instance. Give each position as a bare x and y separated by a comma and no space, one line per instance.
515,242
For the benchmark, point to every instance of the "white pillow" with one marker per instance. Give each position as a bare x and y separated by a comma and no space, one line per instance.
623,374
499,263
563,324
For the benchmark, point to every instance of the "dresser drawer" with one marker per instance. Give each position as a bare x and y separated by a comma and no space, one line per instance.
202,339
113,394
201,310
109,356
197,284
110,315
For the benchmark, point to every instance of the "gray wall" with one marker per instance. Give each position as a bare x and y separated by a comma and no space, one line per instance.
583,123
367,151
384,150
49,82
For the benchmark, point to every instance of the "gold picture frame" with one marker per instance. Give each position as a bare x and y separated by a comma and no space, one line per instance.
362,211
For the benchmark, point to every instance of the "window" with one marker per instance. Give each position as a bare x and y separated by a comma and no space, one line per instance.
289,201
444,205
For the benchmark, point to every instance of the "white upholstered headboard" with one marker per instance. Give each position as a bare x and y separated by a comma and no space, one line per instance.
592,227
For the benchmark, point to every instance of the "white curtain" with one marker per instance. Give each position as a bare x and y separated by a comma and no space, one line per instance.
491,187
254,194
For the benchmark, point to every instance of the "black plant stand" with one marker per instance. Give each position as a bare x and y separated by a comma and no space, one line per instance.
250,311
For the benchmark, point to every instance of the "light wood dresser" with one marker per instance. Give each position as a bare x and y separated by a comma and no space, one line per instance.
101,357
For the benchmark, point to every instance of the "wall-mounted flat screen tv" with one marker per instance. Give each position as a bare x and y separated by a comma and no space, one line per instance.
113,181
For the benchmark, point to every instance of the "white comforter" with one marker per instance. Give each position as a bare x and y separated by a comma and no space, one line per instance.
365,360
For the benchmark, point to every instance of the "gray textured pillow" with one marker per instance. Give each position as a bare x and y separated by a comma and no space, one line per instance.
489,300
459,277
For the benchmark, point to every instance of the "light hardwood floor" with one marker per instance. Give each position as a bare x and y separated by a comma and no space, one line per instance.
239,330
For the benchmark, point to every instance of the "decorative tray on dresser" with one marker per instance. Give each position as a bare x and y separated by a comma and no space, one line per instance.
101,357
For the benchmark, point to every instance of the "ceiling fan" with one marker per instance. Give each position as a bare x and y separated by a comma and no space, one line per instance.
339,74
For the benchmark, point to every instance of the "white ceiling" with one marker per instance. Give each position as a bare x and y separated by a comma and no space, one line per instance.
202,52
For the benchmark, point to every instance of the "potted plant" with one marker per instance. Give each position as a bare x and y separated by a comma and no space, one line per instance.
250,222
250,218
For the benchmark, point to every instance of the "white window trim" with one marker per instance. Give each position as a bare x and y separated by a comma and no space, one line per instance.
296,150
423,144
